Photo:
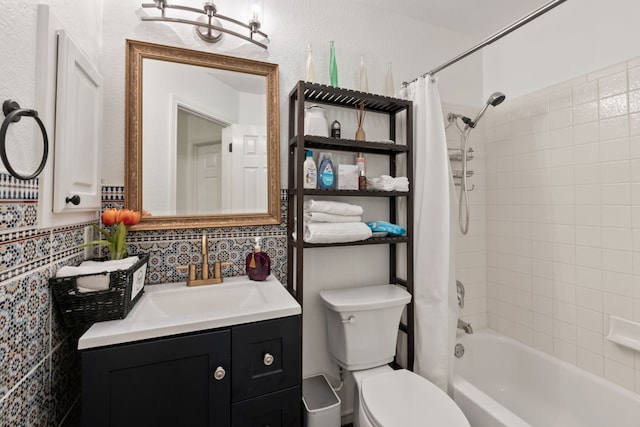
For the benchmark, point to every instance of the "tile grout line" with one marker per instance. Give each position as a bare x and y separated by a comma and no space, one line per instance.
51,308
64,418
32,370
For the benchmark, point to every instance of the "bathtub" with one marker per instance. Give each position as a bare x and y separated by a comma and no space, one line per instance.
501,382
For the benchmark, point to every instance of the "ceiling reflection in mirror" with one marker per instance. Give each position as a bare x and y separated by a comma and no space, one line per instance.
202,138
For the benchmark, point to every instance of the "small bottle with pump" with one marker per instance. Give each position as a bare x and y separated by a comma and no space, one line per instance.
258,263
310,171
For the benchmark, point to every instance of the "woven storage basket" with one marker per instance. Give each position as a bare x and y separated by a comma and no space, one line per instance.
81,308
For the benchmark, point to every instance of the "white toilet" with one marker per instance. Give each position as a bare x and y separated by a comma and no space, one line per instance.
362,328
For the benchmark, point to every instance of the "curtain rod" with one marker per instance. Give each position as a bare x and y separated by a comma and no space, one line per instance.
497,36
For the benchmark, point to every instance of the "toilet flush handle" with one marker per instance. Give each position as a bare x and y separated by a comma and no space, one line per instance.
350,319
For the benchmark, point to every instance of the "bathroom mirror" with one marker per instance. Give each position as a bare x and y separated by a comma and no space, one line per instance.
202,138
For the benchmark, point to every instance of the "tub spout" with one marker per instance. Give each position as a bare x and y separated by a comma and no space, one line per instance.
466,327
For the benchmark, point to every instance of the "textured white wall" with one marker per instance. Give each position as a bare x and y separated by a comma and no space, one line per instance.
411,46
575,38
18,65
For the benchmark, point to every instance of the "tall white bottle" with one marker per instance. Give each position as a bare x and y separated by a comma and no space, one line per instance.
310,171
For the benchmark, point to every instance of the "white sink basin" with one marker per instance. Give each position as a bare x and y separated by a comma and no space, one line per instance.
174,308
227,297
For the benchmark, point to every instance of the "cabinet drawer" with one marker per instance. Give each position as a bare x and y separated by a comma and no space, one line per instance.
279,409
266,357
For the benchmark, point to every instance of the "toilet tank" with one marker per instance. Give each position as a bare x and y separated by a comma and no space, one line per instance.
362,324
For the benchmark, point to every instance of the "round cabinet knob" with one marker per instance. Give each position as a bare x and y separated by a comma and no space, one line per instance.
74,200
268,359
219,373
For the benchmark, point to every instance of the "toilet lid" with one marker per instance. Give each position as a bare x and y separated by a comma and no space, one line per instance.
401,398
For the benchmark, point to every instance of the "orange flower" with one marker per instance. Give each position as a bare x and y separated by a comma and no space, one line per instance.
108,217
116,238
135,217
124,216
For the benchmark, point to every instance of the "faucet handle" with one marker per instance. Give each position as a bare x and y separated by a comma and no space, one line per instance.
191,268
217,267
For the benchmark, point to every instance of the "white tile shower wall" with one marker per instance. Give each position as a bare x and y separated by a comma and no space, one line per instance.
563,218
471,267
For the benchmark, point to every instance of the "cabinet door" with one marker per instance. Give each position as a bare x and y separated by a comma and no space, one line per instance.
78,131
279,409
169,382
266,357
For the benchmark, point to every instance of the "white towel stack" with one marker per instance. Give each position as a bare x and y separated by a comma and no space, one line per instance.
94,275
388,183
333,222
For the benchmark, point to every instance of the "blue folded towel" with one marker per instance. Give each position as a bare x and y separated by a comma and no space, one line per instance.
386,227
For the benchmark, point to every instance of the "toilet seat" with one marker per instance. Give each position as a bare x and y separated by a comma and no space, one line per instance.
402,398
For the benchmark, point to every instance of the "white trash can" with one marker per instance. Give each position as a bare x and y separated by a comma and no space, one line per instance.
321,403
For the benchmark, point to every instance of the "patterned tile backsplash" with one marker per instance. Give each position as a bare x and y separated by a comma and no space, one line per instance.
39,364
169,249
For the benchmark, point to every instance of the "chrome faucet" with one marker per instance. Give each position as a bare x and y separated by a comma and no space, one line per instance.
466,327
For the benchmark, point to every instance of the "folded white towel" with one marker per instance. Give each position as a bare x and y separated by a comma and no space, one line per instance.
342,232
383,183
401,183
94,279
388,183
121,264
327,217
94,275
336,208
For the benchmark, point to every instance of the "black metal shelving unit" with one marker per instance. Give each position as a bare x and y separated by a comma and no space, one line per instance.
298,143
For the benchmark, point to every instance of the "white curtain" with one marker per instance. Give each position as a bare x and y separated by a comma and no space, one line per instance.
435,299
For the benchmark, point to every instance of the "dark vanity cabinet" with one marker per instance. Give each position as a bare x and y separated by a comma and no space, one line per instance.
243,375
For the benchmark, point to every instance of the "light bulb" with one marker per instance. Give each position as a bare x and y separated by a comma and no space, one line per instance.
256,10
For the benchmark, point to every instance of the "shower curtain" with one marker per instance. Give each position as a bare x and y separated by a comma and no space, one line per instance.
435,301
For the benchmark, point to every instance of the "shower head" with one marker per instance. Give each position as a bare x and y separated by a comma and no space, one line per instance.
496,98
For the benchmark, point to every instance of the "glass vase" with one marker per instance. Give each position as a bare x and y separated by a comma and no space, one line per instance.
333,65
310,75
389,87
364,81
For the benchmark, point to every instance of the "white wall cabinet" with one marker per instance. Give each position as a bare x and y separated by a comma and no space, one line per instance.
69,100
78,130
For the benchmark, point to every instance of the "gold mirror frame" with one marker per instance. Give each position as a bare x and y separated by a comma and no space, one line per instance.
136,52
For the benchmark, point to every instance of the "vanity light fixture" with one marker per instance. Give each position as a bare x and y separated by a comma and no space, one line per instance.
208,25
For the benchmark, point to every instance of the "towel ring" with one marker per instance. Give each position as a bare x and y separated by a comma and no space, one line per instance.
13,113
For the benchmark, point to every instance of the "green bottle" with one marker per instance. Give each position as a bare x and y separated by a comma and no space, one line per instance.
333,66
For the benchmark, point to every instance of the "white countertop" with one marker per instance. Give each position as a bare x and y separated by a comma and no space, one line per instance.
174,308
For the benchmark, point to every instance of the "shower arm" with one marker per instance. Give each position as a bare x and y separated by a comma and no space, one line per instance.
497,36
